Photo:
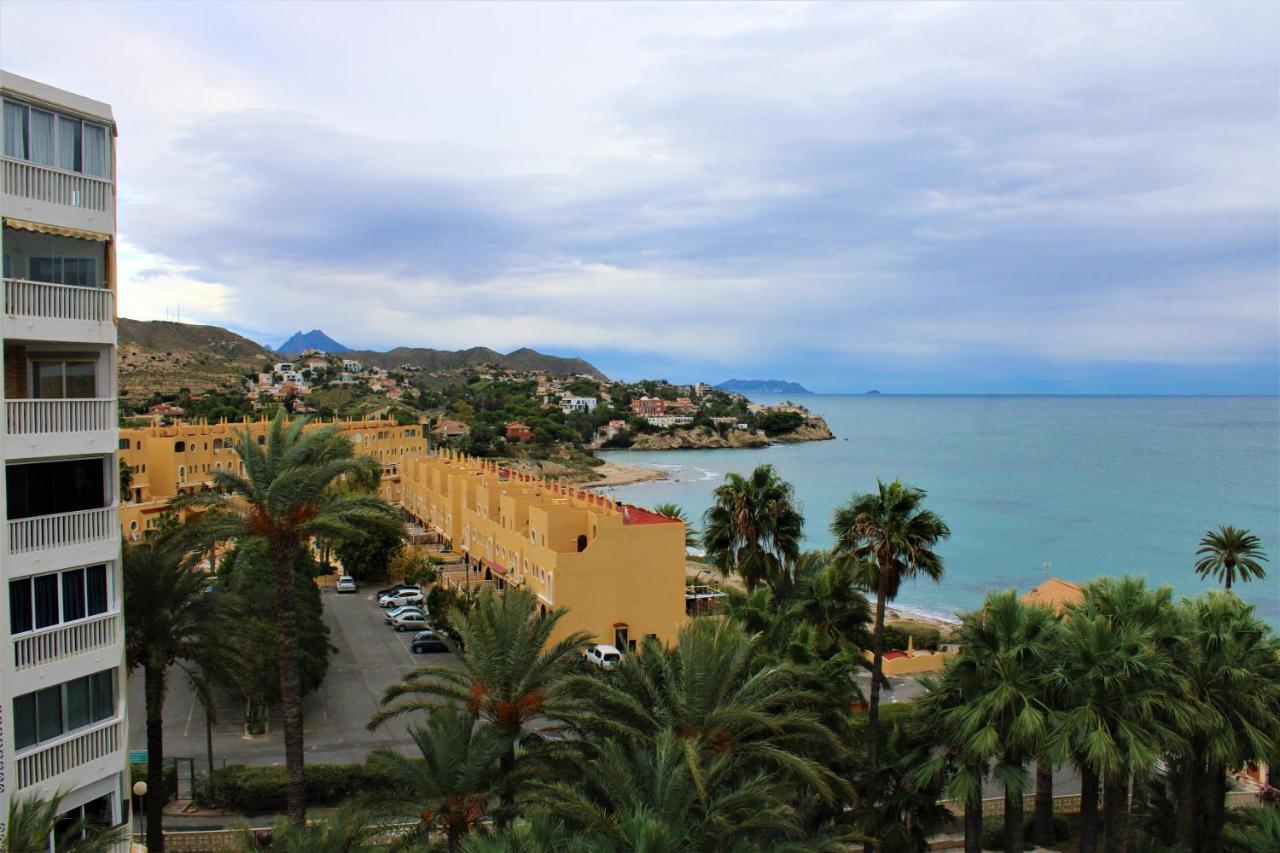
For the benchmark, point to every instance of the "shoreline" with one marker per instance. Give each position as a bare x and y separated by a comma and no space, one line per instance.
619,474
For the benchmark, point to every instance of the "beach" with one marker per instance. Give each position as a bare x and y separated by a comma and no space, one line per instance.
618,474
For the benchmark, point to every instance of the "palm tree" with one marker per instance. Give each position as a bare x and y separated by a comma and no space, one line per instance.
168,619
1005,649
956,763
1253,829
884,537
536,832
282,499
671,510
451,785
722,696
1230,554
511,675
753,527
33,827
1118,680
1234,680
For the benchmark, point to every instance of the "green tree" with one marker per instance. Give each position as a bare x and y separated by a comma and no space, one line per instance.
884,537
753,526
345,831
1005,649
956,763
34,824
370,556
1231,554
126,480
281,500
1253,829
511,674
168,619
452,781
671,510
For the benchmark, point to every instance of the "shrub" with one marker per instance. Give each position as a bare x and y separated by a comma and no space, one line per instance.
262,789
138,773
926,637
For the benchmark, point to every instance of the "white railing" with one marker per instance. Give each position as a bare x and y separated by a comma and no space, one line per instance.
68,754
45,183
24,298
30,417
64,641
62,529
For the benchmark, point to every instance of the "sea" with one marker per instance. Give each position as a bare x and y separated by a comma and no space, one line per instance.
1031,486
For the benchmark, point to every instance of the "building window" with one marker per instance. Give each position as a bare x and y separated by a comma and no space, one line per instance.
58,379
53,139
179,447
46,714
620,638
81,272
47,600
49,488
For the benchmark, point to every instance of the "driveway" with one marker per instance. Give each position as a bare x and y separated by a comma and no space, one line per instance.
370,658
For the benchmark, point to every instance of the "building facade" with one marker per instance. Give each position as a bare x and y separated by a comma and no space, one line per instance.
62,661
619,570
164,461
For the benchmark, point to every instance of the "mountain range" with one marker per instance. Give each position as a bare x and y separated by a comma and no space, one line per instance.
157,355
763,386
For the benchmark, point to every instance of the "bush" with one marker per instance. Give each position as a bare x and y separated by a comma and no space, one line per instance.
993,830
896,636
138,773
262,789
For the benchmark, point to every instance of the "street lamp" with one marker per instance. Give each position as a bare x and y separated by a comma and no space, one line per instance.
140,791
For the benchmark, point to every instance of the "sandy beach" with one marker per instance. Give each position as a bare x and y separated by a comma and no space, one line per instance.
617,474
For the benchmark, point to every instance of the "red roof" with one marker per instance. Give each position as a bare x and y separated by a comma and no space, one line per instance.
894,655
636,515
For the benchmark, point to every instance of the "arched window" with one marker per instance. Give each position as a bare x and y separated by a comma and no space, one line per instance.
179,447
262,439
582,542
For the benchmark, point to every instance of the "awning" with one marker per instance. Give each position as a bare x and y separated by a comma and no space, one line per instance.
57,230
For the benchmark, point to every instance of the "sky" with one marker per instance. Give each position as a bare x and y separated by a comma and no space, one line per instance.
910,197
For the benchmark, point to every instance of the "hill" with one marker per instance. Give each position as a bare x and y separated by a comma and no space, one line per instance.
433,359
161,356
314,339
763,386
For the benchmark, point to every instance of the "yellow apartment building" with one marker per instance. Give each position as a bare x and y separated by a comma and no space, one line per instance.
619,570
167,460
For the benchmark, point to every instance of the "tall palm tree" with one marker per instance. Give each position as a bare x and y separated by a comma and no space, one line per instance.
885,537
282,499
1230,554
753,526
168,619
345,831
1005,649
33,827
1234,679
1120,686
671,510
960,765
452,782
722,696
511,674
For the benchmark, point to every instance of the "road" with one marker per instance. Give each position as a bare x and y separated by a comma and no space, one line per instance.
370,657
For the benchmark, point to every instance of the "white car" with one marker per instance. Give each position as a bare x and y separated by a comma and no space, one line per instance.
395,599
603,656
410,622
403,609
346,583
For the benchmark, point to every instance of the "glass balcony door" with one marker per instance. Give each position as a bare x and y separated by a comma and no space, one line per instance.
50,488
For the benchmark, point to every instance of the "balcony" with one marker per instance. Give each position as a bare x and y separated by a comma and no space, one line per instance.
69,753
41,311
59,427
63,641
44,542
52,196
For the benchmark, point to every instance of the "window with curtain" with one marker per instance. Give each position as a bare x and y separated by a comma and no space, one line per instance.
48,713
41,130
21,618
81,272
58,379
68,144
73,595
95,587
45,601
97,154
48,600
15,130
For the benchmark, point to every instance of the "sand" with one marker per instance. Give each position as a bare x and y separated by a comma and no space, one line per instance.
617,474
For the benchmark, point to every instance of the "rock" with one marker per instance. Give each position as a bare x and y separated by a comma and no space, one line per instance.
701,438
813,429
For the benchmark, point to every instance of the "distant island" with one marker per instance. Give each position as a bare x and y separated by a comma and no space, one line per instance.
763,386
314,339
873,392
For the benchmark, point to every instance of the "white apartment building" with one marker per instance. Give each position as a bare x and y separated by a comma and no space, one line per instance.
578,404
62,675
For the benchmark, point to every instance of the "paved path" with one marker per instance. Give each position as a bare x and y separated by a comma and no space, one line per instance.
370,657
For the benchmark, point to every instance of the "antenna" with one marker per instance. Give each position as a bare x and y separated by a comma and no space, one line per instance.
1046,568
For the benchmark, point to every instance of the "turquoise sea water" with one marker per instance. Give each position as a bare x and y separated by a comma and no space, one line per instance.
1090,485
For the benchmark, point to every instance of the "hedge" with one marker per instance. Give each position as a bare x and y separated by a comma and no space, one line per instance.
896,636
249,790
138,773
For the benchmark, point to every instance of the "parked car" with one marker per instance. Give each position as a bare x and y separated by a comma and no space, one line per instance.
403,609
427,641
603,656
395,599
404,587
410,622
346,583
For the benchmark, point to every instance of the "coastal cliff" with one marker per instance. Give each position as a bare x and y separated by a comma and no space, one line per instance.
701,438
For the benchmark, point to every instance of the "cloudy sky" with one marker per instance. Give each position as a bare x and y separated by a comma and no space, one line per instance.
904,196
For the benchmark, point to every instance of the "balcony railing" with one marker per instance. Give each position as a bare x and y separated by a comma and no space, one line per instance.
31,417
24,298
47,184
69,753
63,529
64,641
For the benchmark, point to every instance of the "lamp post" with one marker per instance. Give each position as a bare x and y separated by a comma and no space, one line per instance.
140,791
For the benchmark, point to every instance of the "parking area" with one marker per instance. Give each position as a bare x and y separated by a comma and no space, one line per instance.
370,657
